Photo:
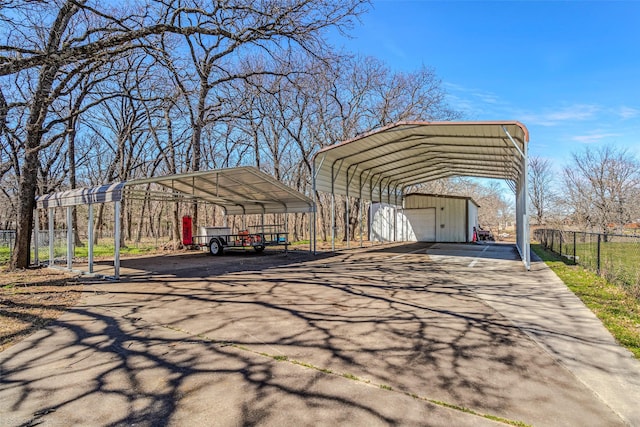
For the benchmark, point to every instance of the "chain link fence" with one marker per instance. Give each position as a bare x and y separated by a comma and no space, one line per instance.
615,257
104,246
7,242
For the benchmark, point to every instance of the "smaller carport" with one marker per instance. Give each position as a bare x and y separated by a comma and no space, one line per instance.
384,164
238,191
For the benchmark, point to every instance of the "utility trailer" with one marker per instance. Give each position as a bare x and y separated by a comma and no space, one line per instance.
218,239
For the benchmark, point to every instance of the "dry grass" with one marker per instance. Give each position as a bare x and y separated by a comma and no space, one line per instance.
30,299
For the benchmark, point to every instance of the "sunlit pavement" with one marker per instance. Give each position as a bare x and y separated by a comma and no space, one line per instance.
402,334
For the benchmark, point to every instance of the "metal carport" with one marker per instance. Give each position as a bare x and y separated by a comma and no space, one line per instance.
381,165
239,191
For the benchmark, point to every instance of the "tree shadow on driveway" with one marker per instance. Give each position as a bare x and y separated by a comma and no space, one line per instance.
359,338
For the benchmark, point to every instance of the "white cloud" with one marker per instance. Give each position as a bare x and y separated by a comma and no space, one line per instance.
394,49
487,97
594,138
477,94
628,112
454,87
476,104
572,113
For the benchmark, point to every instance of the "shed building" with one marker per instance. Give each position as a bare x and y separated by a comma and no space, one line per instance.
425,218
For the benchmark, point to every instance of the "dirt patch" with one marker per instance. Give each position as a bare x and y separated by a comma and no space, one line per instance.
30,299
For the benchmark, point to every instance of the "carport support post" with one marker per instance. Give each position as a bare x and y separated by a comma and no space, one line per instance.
361,219
522,195
116,238
312,221
347,216
51,237
333,222
312,218
527,238
69,238
286,230
393,209
360,208
380,194
90,238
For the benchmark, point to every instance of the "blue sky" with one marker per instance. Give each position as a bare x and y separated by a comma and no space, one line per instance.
568,70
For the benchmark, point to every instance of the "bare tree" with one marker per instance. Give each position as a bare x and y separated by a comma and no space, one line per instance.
494,211
364,94
47,43
541,194
601,187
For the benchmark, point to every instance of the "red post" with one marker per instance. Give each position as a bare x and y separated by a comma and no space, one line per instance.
187,231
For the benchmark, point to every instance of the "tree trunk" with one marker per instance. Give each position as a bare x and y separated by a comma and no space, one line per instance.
123,208
141,218
129,221
98,226
347,220
175,235
71,139
354,219
38,111
196,139
26,204
296,221
324,220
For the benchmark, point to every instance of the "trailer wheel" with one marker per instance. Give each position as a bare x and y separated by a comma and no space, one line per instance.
259,248
215,248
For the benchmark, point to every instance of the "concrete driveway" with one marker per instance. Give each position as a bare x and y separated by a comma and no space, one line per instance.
397,335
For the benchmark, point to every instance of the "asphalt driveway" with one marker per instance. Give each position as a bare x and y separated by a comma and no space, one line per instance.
407,334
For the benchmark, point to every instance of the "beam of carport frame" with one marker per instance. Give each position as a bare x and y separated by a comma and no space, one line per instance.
240,190
381,165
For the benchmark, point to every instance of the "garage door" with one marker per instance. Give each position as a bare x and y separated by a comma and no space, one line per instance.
421,224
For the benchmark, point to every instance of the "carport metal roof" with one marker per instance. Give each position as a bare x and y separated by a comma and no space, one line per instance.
381,165
242,190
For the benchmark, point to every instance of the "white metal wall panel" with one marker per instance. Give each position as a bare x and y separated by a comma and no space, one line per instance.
449,215
454,216
382,226
473,218
420,225
425,218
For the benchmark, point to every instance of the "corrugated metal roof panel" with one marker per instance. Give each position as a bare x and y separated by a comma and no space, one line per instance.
408,153
243,190
81,196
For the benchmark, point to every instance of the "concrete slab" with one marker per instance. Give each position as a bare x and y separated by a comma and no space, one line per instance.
407,334
540,305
